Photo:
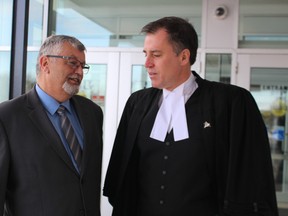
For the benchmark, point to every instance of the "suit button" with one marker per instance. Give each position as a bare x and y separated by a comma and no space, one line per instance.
167,143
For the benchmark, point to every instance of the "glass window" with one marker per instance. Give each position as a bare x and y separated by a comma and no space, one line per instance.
111,23
140,78
4,75
6,10
31,70
35,35
269,87
218,67
35,24
93,85
263,24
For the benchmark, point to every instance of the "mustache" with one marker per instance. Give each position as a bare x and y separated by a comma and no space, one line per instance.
75,77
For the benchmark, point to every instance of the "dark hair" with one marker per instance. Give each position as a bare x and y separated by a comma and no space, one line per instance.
182,34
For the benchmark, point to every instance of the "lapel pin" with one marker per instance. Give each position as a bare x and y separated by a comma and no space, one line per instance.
207,124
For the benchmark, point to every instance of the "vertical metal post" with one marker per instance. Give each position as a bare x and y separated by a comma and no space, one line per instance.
47,7
19,47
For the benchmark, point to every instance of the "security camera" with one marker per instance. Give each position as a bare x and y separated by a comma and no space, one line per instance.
221,12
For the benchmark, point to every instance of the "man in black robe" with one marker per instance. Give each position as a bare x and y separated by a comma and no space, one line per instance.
188,146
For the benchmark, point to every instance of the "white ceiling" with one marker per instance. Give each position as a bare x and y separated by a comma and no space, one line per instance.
123,17
121,3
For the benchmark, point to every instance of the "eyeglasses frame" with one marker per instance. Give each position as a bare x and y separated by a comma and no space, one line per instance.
83,65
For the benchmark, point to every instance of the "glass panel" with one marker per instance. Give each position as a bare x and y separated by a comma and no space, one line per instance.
113,23
35,35
4,75
93,85
218,67
140,78
6,8
35,24
269,86
31,70
263,24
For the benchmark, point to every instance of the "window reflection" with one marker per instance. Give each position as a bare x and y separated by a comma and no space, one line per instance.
263,25
4,75
218,67
140,78
35,35
269,86
93,85
6,7
31,70
35,24
116,23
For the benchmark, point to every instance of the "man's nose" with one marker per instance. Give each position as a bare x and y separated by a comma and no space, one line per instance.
148,62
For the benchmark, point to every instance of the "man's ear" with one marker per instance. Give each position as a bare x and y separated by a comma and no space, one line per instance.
44,64
185,56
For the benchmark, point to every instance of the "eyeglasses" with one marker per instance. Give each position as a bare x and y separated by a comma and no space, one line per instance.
73,62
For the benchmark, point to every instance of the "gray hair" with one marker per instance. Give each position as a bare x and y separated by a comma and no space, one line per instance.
53,46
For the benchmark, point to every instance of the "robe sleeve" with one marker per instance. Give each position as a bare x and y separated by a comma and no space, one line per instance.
111,185
248,175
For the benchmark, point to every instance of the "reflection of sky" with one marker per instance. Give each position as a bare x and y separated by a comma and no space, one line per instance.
70,22
4,75
5,22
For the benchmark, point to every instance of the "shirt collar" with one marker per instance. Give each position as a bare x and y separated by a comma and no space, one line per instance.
50,104
190,85
187,88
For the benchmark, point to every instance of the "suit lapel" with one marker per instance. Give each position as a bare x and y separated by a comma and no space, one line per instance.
39,117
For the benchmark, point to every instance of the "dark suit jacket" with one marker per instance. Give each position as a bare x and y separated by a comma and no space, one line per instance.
37,177
237,149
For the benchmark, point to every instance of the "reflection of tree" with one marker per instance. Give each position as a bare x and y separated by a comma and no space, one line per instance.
30,82
4,83
279,107
275,120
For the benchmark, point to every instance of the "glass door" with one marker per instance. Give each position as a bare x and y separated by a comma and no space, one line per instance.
266,76
132,76
101,86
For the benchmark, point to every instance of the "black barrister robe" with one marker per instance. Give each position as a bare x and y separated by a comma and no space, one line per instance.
237,149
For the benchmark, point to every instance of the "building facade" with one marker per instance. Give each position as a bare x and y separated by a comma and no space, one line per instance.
242,42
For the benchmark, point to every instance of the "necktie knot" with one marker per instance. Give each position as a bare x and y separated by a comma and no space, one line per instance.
61,110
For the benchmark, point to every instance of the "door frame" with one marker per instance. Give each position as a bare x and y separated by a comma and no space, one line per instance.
248,59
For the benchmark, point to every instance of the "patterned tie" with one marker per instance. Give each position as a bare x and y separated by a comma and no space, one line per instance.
70,136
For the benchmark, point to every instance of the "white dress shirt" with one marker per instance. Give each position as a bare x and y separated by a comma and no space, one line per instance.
172,113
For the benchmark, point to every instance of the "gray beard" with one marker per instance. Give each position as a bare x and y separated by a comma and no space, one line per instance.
70,89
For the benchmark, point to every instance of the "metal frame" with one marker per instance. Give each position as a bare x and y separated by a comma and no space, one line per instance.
19,47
